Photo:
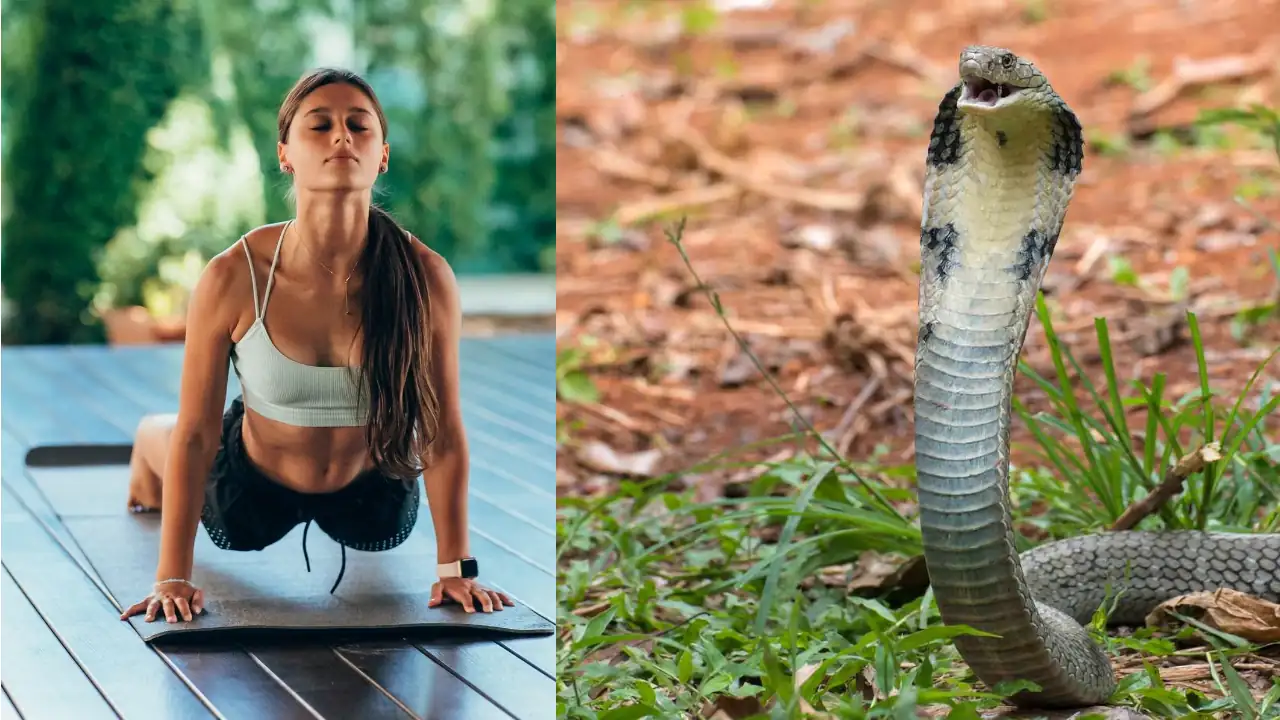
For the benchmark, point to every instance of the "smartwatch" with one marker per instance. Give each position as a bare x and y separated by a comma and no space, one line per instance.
467,567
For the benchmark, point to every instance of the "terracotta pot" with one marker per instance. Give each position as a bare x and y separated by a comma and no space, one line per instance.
134,325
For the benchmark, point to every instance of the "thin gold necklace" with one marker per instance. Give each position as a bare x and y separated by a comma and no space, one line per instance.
346,297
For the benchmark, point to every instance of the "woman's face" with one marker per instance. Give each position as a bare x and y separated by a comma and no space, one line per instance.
335,141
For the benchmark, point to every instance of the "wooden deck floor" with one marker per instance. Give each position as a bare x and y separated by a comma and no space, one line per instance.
66,654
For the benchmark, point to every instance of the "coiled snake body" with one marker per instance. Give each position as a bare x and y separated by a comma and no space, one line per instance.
1003,160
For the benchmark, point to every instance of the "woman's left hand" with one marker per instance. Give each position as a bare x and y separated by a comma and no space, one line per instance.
468,593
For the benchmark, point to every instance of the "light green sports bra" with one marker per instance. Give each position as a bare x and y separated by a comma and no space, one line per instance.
277,387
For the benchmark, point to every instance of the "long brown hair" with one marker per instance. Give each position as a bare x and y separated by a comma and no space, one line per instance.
404,411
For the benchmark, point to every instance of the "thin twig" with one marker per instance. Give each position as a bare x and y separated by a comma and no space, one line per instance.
674,236
1171,485
844,430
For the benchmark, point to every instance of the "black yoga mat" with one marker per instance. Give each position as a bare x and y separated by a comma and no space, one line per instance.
267,590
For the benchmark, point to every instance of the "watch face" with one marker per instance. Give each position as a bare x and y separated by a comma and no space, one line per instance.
470,568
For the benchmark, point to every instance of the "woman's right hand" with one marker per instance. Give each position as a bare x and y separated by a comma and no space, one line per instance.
177,598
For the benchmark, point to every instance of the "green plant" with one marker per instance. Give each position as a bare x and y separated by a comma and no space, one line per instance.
572,383
1257,117
74,166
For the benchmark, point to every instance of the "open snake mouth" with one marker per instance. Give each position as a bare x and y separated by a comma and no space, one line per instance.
979,91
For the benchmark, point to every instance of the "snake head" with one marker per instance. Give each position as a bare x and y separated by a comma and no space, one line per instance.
994,78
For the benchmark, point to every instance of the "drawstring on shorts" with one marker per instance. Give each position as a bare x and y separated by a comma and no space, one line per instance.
307,559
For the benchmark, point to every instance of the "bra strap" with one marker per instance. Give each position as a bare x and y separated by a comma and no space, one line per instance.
274,261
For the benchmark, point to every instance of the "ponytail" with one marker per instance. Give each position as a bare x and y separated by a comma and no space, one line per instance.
404,410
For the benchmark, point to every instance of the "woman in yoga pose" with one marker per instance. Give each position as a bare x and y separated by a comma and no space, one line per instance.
343,331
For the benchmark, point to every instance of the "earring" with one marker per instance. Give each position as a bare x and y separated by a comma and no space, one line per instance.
382,169
286,168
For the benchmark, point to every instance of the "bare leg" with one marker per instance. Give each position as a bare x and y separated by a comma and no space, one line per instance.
146,464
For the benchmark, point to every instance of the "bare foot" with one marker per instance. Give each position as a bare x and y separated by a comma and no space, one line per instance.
144,492
146,465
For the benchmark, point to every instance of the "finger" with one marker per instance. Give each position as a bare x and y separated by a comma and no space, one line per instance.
133,609
183,608
168,610
464,598
437,595
496,599
197,602
506,600
485,601
152,605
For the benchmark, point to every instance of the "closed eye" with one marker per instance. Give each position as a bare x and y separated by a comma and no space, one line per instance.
325,127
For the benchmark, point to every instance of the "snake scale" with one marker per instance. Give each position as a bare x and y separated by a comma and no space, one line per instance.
1002,164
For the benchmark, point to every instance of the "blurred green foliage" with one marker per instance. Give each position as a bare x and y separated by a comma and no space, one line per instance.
138,138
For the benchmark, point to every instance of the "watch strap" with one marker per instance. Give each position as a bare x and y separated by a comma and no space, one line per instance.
467,567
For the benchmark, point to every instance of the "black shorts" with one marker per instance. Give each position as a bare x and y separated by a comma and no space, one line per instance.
245,510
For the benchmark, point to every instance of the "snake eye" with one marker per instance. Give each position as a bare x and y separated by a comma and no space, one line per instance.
1008,61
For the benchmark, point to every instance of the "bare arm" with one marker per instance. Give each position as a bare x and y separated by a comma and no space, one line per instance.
198,431
445,475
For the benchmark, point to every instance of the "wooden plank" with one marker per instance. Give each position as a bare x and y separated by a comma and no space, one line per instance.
228,679
538,651
521,515
516,400
39,674
326,683
130,675
521,690
519,398
534,586
41,409
483,352
26,412
537,349
237,685
7,710
515,368
426,688
22,498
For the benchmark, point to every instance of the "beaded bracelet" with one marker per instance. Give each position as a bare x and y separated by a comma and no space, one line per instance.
174,580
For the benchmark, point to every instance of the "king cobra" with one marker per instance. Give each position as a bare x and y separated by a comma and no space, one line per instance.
1002,163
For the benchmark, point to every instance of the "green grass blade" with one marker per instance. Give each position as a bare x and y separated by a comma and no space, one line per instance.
771,582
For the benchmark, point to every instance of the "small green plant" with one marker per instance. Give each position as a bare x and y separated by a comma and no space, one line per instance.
698,17
1035,11
1108,144
1259,118
1136,76
573,384
1122,272
1109,471
1246,320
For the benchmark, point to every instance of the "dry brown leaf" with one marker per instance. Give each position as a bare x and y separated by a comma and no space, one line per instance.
1240,614
727,707
865,683
602,458
802,676
875,571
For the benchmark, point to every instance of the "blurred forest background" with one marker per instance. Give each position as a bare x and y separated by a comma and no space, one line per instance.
138,139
